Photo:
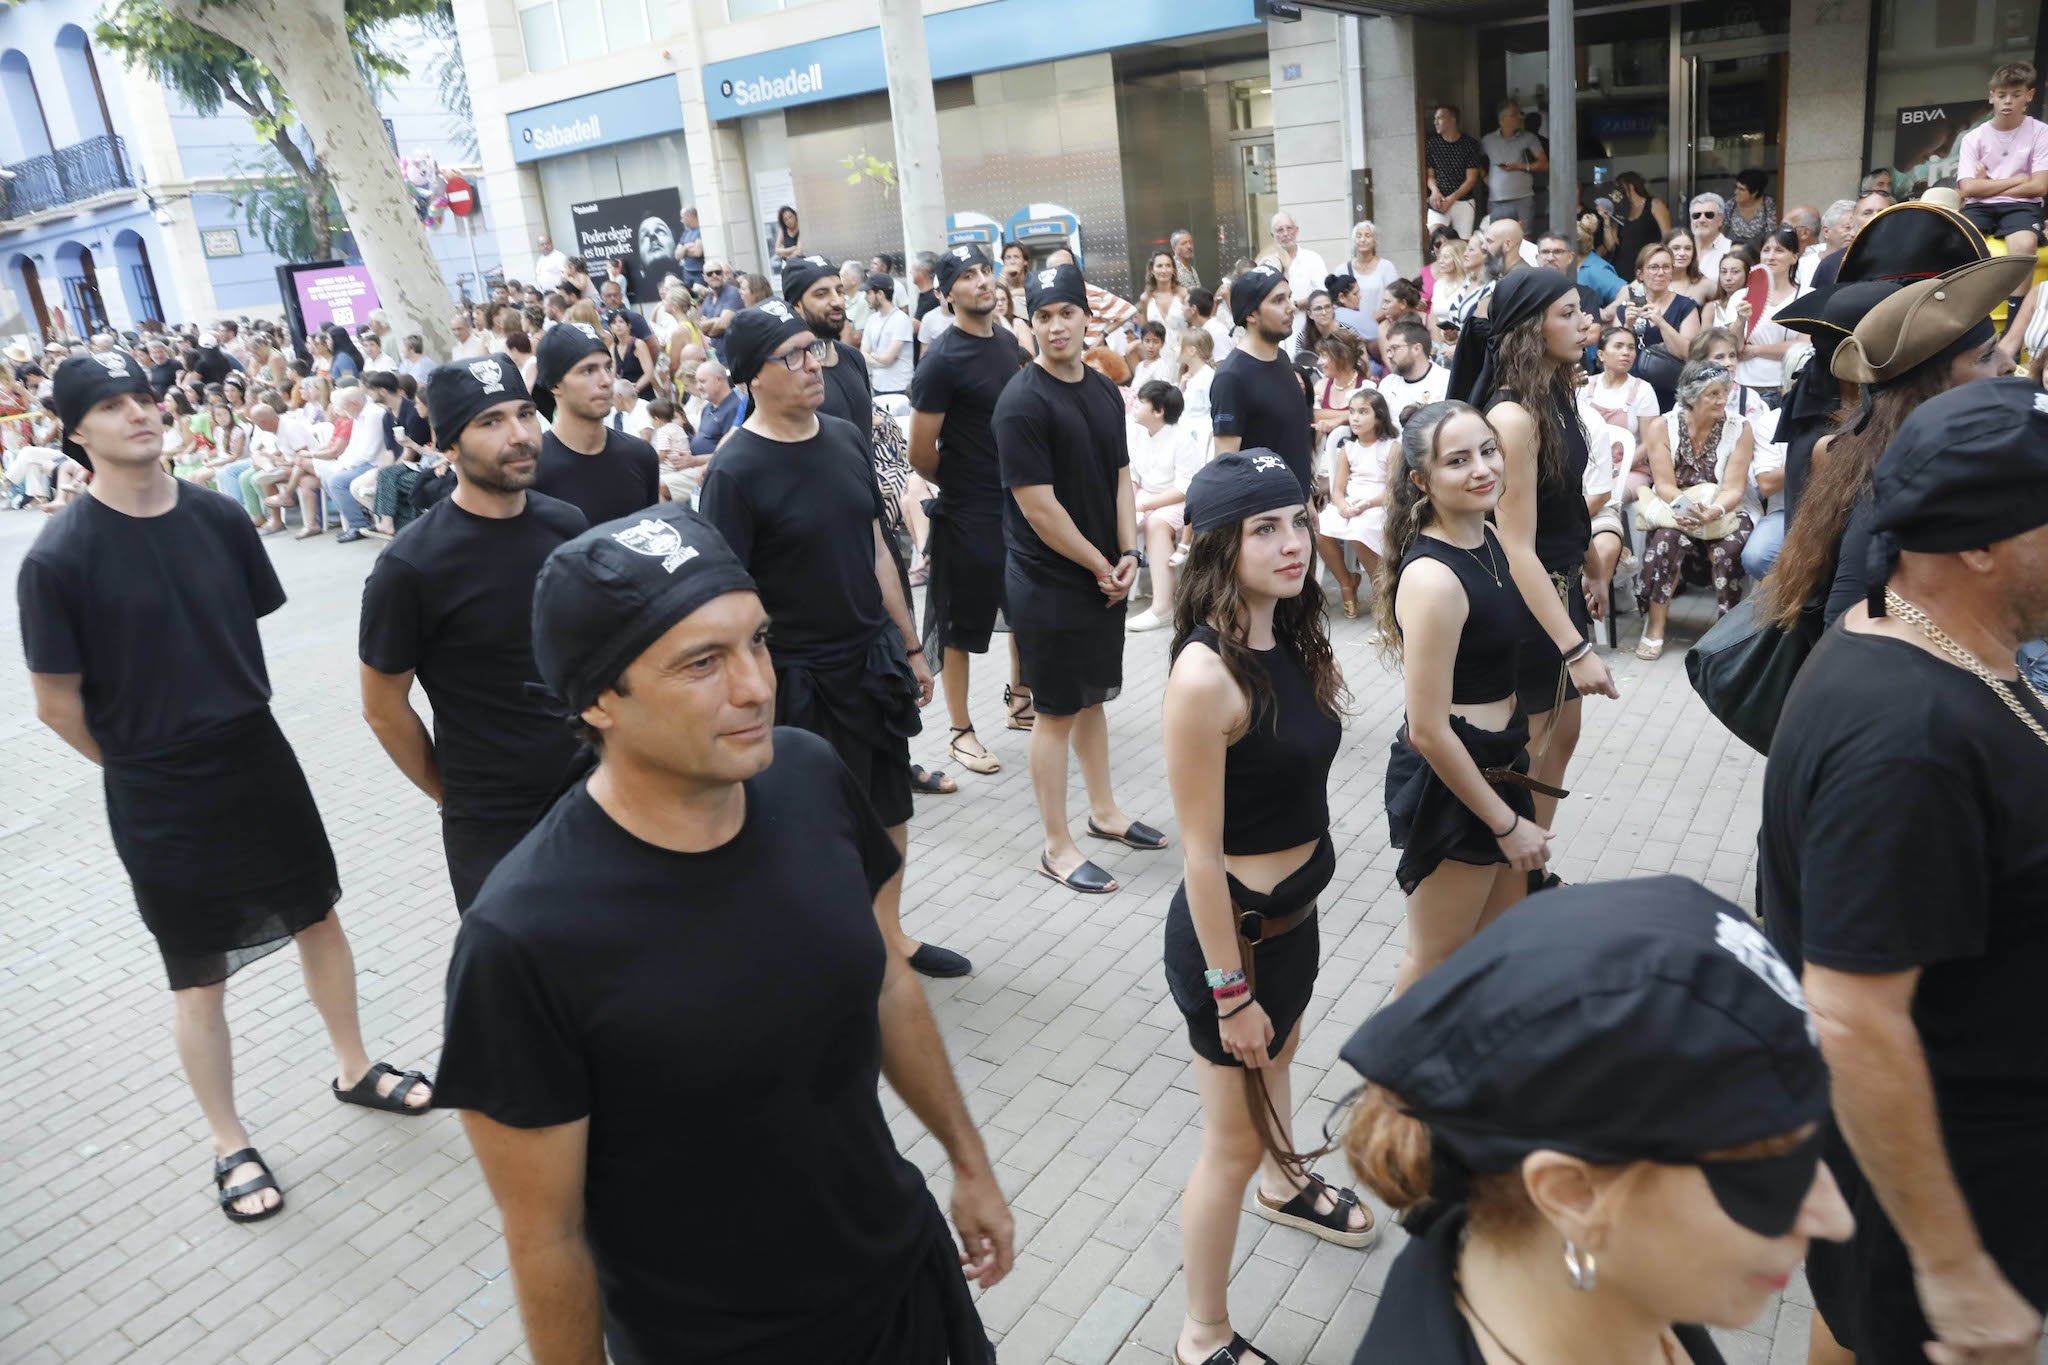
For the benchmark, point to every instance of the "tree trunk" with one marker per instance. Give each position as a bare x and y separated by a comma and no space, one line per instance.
313,180
305,44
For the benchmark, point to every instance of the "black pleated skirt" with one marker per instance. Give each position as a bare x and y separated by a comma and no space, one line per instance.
223,845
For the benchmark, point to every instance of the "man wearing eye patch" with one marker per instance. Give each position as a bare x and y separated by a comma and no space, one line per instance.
794,493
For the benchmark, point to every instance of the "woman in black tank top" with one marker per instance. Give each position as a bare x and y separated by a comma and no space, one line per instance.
1251,726
1458,799
1517,370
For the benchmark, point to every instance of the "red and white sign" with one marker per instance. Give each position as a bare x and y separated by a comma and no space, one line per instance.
461,198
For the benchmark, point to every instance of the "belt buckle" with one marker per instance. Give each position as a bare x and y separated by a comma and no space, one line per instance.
1253,939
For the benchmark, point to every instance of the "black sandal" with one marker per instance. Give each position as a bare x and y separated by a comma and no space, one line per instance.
933,782
1541,881
1087,877
1233,1354
1022,717
1136,834
1301,1212
247,1156
364,1091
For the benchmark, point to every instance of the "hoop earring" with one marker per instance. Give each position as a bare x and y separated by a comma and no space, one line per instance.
1581,1267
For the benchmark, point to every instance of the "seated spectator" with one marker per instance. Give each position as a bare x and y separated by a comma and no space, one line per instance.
309,471
681,471
1701,472
629,411
1197,374
1152,360
519,346
372,347
1343,373
1728,305
416,362
1360,454
723,407
1164,457
1401,299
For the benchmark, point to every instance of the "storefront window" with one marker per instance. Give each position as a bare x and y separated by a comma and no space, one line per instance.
558,32
1933,67
753,9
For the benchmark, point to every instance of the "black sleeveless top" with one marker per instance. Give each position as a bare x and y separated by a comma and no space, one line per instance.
1276,778
627,363
1495,617
1564,528
1635,234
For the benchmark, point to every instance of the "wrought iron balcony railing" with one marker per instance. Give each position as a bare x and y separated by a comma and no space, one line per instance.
84,170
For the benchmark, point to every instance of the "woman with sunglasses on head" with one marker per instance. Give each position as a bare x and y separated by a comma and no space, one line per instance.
1458,794
1602,1122
1251,727
1520,367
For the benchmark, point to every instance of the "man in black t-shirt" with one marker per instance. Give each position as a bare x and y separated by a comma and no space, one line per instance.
1070,530
811,285
1905,868
606,473
1457,167
451,600
713,880
1256,401
794,494
953,398
139,605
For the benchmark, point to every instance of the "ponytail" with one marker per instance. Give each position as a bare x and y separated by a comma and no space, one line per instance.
1408,512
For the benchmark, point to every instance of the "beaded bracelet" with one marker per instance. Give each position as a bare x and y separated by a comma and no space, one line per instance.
1222,978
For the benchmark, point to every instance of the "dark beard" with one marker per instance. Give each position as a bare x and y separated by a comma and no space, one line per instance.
495,477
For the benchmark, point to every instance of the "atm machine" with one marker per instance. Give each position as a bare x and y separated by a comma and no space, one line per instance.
1043,228
968,228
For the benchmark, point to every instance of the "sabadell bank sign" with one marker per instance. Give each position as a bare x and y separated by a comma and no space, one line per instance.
625,113
809,81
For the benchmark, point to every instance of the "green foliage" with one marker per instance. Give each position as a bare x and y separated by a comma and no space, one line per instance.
861,166
275,207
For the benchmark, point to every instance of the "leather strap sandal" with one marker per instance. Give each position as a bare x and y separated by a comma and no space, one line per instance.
1238,1352
364,1091
1301,1212
1022,717
1087,877
229,1194
983,762
931,782
1136,834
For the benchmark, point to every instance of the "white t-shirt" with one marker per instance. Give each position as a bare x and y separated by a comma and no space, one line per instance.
1166,460
1624,406
1766,372
550,269
477,347
1710,256
1402,394
934,326
382,362
1164,369
1194,391
880,332
1219,328
1372,285
366,437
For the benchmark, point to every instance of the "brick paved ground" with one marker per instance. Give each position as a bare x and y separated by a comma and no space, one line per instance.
1070,1050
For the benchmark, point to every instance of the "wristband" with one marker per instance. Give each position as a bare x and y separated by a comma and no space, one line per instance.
1213,977
1232,1013
1231,992
1511,827
912,654
1584,648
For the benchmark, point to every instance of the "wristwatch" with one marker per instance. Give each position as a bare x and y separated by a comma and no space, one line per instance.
1138,555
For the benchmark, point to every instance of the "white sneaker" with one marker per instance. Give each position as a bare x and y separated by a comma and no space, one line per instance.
1177,558
1146,620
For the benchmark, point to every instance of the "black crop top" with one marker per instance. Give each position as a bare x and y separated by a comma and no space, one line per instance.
1276,778
1564,528
1495,616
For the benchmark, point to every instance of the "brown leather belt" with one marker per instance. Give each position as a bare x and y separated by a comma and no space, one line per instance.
1254,928
1516,779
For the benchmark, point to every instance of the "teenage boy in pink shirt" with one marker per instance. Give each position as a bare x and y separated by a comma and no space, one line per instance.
2002,166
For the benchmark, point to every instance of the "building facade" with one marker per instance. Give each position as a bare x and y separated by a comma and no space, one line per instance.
121,206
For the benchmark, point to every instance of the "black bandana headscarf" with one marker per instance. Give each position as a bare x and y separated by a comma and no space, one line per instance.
1516,299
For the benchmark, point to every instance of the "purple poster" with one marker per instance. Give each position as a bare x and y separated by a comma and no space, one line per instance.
339,294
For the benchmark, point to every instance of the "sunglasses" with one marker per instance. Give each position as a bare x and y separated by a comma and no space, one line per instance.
819,351
1708,214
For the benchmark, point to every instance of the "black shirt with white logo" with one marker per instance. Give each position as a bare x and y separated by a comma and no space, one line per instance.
702,1009
451,600
619,480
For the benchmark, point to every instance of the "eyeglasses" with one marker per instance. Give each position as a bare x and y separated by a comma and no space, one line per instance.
794,361
1709,213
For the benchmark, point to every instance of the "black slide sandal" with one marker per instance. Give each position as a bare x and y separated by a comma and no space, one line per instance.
932,781
1233,1354
364,1091
228,1195
1137,834
1086,878
1334,1226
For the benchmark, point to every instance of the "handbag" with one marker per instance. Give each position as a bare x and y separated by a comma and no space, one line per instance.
1743,669
1653,513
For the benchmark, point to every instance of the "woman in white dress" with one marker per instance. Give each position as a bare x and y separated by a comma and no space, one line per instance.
1359,453
1761,368
1164,300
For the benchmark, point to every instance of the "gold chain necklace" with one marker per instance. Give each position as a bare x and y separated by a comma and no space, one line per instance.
1942,640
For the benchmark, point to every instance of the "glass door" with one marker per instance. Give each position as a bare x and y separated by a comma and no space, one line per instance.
1261,194
1735,109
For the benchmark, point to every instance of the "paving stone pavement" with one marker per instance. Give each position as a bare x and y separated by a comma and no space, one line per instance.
1071,1053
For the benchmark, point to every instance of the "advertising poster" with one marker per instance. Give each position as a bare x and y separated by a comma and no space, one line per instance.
639,231
340,294
1927,139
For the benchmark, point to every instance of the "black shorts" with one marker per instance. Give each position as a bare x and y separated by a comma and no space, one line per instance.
1539,665
1863,1288
965,593
1070,649
1428,822
2001,220
1286,966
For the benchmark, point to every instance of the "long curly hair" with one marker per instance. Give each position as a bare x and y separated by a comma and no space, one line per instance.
1543,386
1209,592
1409,511
1806,565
